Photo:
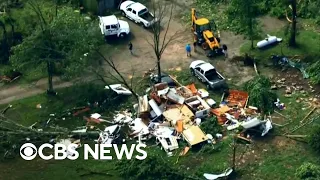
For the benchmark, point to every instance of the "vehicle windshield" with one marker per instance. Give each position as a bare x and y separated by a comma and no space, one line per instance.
211,39
142,12
204,27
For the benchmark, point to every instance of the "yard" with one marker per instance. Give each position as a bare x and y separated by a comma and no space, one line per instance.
271,157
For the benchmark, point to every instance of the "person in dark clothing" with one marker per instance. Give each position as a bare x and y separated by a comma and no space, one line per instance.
225,50
130,47
194,46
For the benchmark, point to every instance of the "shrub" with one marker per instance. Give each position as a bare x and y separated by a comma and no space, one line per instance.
313,71
314,139
211,126
308,171
260,94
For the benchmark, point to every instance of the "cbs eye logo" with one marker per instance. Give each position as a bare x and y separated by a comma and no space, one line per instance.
28,151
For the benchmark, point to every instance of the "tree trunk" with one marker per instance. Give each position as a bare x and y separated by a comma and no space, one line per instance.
50,83
292,40
252,47
159,69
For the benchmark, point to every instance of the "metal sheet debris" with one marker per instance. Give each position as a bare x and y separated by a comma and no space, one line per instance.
119,89
216,176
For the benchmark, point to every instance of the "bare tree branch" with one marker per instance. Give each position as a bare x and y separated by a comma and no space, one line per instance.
161,41
121,79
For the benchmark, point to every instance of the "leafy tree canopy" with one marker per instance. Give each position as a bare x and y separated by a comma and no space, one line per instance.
242,14
64,41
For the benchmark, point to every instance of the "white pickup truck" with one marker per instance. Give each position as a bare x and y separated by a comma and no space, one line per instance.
111,25
207,74
138,13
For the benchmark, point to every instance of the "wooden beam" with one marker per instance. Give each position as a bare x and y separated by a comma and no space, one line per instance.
308,114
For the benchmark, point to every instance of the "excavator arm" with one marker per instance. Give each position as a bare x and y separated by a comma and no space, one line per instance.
193,19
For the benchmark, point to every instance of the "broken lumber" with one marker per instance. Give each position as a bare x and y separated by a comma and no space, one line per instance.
296,136
222,97
281,125
281,114
308,114
255,67
175,80
246,102
6,109
300,126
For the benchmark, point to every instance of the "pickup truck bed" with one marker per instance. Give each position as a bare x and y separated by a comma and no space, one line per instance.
147,16
214,77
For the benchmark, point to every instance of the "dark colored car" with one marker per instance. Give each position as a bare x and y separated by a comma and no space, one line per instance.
164,78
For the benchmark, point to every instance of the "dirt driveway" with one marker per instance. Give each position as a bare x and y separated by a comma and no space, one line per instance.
144,59
174,56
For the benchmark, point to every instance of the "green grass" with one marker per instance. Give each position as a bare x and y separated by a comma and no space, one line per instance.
55,170
307,44
25,112
278,162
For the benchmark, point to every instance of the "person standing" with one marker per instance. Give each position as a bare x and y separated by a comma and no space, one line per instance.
130,47
188,49
225,50
195,46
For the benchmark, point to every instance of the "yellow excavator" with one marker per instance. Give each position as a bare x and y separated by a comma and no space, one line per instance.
204,36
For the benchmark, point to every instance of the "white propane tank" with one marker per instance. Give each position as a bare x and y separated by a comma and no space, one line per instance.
269,40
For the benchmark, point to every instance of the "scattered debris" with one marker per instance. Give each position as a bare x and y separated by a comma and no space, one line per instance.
67,142
280,105
198,106
226,173
171,113
119,89
184,151
194,135
168,143
109,134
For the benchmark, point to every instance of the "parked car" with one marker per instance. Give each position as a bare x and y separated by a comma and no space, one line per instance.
165,78
111,25
138,13
207,73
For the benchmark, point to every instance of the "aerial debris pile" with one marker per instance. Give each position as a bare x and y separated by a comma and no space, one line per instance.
172,114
